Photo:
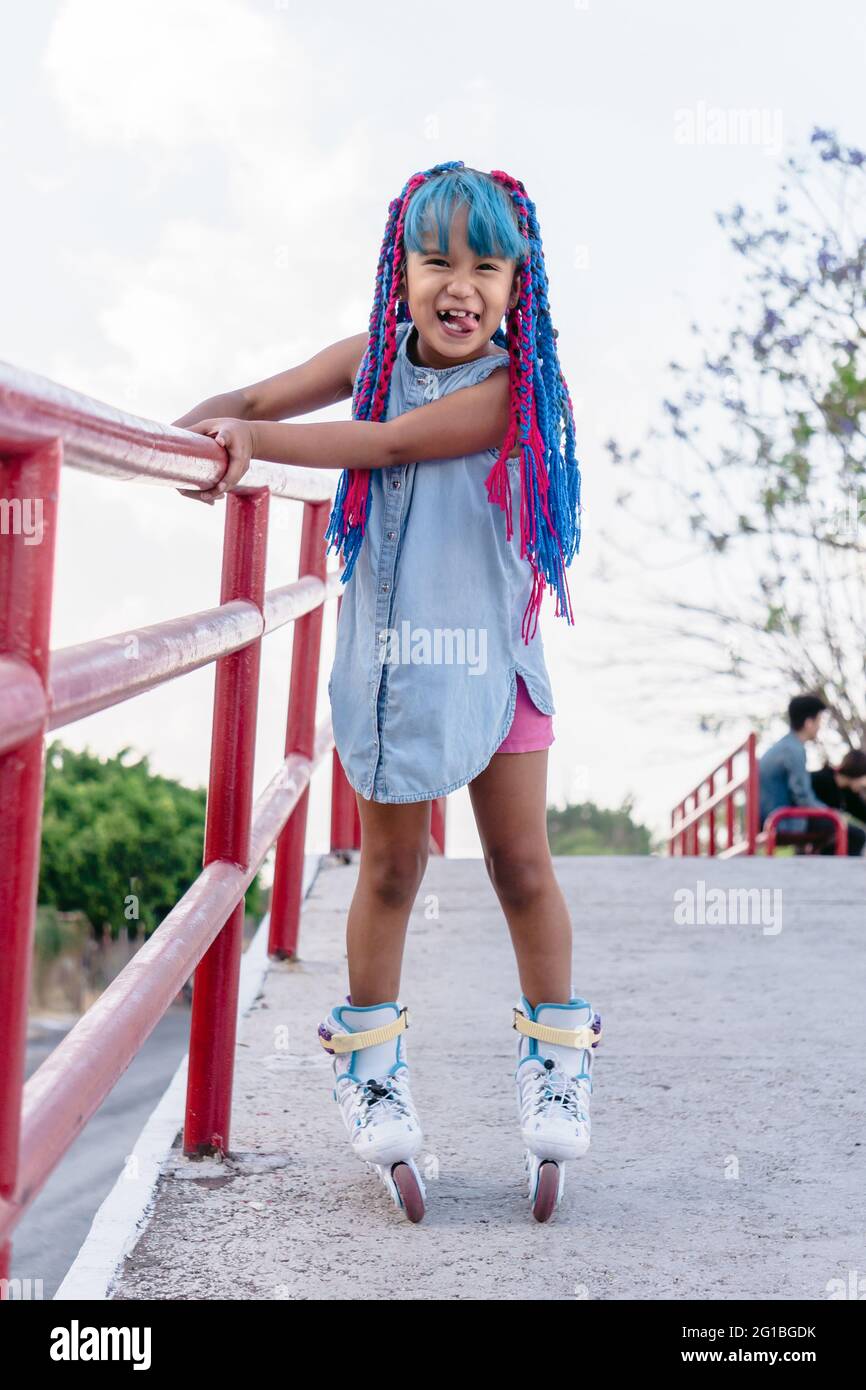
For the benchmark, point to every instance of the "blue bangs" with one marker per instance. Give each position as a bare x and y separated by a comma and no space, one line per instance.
491,227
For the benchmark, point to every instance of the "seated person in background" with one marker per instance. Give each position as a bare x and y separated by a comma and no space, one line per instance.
842,788
782,770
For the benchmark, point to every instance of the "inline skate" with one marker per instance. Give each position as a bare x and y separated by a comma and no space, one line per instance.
372,1090
554,1083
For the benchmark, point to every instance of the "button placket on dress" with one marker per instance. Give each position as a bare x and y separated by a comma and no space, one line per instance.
395,493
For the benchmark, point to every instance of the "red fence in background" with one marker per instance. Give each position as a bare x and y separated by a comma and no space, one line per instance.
721,815
44,427
697,827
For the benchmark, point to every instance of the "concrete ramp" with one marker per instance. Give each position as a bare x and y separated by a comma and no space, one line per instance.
727,1159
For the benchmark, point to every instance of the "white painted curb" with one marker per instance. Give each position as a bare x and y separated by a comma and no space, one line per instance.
121,1218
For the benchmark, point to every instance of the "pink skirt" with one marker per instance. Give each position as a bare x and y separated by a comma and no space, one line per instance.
530,729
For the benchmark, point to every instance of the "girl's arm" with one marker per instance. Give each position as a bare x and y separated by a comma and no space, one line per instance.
468,421
323,380
233,403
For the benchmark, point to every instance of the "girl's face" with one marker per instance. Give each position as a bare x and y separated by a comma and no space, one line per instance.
481,288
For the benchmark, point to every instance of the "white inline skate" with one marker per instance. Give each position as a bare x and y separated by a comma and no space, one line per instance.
554,1084
372,1091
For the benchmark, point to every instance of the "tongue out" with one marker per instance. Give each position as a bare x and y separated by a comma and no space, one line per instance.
461,325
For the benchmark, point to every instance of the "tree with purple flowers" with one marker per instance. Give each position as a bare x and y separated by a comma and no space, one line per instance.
759,464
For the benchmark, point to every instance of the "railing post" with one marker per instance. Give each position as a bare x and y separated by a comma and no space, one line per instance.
730,811
285,914
29,487
753,796
345,819
437,825
213,1024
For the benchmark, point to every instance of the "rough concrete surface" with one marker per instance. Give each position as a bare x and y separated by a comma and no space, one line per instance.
727,1158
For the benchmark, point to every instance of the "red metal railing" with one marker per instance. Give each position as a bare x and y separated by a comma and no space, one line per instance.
43,427
720,789
739,830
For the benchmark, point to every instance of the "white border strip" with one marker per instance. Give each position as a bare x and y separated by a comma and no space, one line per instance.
124,1213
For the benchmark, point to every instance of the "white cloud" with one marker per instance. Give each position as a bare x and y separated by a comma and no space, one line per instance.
171,73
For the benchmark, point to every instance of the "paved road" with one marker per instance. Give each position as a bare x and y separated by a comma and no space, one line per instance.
50,1234
727,1155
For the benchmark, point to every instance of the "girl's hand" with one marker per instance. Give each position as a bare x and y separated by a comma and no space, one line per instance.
238,440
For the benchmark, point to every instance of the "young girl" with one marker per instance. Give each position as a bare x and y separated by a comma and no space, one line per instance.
439,677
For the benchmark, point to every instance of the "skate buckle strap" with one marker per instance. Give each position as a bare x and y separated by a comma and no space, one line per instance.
352,1042
588,1036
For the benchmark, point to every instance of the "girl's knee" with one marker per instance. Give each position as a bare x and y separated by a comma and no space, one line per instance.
519,877
394,873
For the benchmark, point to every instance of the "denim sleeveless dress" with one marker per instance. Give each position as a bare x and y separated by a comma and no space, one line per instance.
424,680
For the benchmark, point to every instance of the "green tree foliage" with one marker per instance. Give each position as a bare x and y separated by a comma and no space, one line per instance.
119,843
589,829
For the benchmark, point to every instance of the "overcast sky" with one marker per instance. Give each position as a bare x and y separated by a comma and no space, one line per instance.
194,198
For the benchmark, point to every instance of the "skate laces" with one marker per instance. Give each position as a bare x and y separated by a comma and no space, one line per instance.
555,1087
379,1096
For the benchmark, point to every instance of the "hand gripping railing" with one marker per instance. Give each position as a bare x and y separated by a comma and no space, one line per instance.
44,426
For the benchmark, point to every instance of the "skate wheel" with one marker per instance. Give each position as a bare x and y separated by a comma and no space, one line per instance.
411,1197
546,1190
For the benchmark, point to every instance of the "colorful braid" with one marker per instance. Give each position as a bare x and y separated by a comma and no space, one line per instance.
540,410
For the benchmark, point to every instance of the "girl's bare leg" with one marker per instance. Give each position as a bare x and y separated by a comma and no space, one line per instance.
395,840
509,799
